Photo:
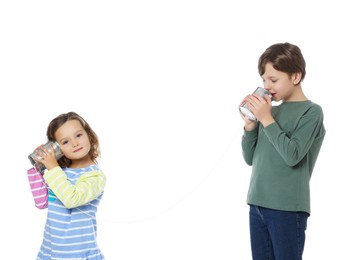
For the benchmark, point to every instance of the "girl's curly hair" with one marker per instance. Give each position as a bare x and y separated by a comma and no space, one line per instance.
57,122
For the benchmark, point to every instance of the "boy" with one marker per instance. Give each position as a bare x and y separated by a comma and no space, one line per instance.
282,146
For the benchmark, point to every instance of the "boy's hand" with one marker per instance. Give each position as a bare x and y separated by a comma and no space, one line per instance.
249,124
261,107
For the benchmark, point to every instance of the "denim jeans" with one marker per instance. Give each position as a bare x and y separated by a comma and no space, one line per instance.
276,234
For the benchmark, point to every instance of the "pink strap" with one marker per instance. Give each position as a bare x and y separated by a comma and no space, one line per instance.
38,187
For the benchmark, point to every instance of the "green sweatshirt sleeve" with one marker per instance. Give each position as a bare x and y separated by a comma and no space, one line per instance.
295,145
248,144
88,187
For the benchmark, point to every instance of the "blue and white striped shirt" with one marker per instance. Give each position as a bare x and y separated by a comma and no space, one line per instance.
70,233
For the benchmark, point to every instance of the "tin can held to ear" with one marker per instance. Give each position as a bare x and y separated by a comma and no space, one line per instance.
39,166
245,110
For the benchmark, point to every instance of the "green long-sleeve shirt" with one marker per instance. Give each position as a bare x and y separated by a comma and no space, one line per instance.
283,156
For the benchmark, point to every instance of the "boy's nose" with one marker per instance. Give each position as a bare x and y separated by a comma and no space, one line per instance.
267,87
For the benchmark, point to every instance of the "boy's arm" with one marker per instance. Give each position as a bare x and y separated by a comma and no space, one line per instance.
293,148
248,144
87,188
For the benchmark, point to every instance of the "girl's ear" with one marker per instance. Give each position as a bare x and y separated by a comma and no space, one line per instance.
296,77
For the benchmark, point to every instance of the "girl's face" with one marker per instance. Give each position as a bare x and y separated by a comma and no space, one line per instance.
281,85
73,140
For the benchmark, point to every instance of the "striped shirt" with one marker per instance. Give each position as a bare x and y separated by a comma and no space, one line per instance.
71,229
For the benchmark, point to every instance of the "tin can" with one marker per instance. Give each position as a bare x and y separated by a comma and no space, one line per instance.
245,110
39,166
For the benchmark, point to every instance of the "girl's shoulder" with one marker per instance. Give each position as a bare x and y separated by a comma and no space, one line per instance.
93,167
77,172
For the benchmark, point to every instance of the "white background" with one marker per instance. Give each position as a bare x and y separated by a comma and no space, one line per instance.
160,82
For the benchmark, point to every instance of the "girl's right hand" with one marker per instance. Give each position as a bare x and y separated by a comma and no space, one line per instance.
45,157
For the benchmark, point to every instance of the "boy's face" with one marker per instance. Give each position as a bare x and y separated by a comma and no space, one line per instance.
281,85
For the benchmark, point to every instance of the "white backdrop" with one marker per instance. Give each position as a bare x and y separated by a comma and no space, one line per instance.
160,82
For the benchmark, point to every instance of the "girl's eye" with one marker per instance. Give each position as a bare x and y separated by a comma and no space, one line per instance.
65,142
79,135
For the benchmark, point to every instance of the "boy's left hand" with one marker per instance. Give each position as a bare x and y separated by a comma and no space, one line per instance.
261,107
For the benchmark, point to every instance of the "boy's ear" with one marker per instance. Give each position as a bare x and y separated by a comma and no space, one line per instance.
296,77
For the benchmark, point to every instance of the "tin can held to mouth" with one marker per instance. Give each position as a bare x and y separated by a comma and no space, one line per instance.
39,166
245,110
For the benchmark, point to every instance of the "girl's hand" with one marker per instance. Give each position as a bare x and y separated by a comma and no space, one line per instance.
45,157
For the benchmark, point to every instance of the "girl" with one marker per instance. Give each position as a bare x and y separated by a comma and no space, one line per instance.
76,186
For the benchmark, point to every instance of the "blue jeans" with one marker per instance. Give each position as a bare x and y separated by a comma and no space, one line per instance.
276,234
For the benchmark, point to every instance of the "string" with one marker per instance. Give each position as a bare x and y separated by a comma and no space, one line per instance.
180,200
168,208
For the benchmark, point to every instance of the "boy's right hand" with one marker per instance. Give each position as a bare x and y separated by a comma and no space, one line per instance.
249,124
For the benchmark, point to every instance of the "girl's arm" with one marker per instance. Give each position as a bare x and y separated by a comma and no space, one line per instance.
87,188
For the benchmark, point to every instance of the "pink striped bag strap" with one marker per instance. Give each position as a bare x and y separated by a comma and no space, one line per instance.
38,187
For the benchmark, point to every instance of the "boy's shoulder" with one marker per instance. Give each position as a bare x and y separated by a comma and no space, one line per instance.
314,107
306,105
312,111
294,110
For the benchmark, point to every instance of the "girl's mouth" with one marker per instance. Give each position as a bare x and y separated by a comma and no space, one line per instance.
77,150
